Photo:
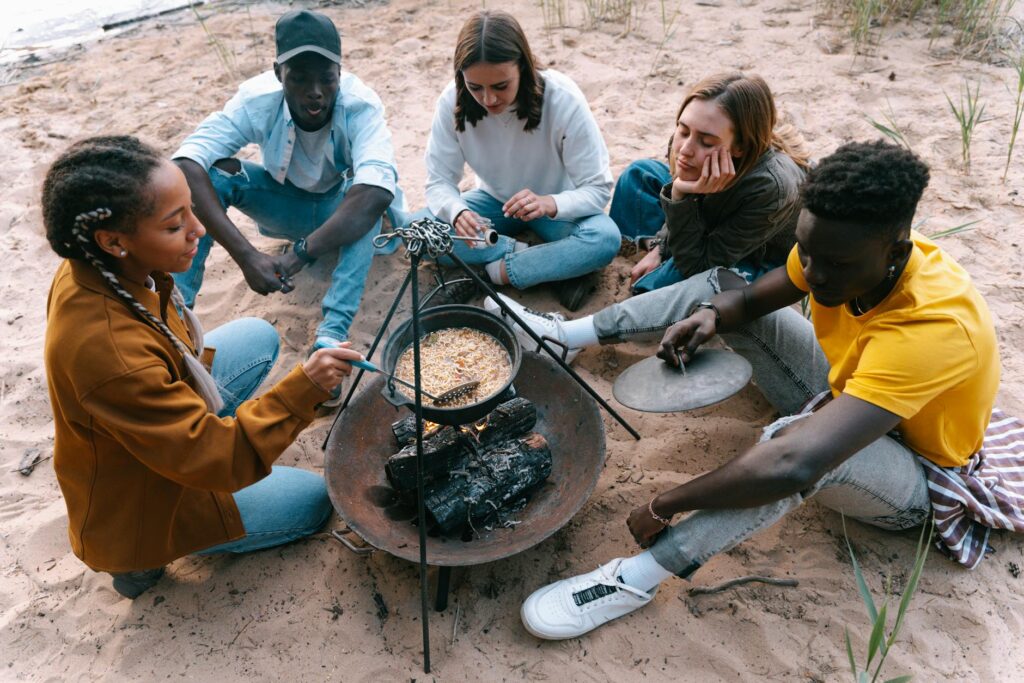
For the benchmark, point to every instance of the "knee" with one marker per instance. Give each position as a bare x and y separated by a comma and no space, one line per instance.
230,166
606,237
308,492
261,337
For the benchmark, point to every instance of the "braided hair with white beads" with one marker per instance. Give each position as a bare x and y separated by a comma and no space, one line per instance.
104,182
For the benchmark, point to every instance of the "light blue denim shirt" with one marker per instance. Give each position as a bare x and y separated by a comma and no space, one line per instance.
258,114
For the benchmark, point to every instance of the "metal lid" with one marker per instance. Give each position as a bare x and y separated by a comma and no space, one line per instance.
653,386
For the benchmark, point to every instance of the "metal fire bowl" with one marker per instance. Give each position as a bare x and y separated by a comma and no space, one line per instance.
362,442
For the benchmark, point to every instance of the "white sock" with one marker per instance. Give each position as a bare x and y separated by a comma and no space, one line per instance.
643,571
494,271
520,246
580,333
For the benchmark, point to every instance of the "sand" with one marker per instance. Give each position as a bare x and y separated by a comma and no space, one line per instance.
315,611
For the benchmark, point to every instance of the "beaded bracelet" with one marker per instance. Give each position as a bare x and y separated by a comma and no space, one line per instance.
655,515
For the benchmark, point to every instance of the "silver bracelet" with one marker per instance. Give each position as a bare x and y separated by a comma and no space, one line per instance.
655,515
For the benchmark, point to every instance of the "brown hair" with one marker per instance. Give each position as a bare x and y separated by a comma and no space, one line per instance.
749,104
495,37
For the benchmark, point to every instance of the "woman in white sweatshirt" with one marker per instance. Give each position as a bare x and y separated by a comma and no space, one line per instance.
539,159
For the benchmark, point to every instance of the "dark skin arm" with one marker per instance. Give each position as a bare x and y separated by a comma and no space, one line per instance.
262,272
792,462
355,216
737,307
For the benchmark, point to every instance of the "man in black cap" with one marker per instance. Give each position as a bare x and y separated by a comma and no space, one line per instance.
327,177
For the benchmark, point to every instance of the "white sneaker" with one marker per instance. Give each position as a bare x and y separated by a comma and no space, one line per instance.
543,324
571,607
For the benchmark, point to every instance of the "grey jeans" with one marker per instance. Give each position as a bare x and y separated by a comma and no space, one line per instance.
883,484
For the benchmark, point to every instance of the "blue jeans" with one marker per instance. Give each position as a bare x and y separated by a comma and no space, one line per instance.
636,207
572,247
289,503
287,212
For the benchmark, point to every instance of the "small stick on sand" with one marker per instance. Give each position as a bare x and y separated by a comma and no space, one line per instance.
707,590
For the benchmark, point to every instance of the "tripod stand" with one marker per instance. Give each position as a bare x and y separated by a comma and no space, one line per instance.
427,237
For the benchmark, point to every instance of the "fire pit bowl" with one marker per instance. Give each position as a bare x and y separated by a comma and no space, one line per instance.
439,318
362,442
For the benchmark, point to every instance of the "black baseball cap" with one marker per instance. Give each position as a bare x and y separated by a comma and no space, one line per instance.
301,31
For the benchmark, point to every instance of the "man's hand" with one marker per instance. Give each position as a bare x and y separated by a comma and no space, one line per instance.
688,334
716,175
290,263
645,529
527,206
644,266
264,274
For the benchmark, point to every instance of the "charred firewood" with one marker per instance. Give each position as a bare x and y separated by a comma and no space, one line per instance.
490,481
447,447
515,416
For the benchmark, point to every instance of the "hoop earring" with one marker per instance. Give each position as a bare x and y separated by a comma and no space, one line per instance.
892,270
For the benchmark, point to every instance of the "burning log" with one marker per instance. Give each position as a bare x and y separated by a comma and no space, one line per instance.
514,417
448,447
490,481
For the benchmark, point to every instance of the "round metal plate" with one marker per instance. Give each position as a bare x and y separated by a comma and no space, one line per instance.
653,386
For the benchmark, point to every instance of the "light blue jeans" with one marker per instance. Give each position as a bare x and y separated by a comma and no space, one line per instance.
289,503
883,484
571,247
289,213
636,206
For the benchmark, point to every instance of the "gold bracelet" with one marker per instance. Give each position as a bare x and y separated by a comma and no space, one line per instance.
655,515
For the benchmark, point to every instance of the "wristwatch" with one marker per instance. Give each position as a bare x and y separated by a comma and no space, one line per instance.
708,304
300,250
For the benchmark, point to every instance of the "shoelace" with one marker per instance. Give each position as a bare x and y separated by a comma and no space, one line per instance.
605,581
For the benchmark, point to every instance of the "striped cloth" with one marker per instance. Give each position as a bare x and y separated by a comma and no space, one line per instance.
987,493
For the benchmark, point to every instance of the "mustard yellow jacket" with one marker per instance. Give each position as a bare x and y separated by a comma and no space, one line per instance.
146,470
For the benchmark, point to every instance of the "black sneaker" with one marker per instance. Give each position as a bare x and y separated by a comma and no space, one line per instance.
458,288
133,584
574,292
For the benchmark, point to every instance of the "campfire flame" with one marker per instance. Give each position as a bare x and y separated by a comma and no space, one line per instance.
475,429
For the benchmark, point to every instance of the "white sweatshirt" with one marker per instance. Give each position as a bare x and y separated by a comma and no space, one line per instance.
565,156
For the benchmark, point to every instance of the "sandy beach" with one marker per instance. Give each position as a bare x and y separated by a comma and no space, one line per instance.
315,611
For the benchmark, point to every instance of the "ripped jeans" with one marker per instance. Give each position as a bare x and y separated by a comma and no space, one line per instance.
883,484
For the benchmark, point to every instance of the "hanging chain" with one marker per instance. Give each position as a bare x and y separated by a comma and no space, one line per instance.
425,236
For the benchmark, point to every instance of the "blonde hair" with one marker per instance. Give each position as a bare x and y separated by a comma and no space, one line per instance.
749,104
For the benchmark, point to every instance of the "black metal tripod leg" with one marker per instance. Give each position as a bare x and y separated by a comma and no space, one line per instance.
543,345
444,582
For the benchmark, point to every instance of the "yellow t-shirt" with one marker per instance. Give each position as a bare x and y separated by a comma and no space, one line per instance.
927,353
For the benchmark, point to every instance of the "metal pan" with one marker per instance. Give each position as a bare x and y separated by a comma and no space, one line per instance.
439,318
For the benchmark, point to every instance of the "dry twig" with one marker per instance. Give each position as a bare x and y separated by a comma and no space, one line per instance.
707,590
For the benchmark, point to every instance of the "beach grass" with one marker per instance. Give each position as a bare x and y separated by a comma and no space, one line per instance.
879,642
969,114
890,128
1017,62
974,25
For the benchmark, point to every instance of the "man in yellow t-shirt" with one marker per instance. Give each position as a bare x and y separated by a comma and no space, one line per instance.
901,341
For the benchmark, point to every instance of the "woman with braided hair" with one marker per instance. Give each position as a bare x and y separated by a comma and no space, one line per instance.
158,447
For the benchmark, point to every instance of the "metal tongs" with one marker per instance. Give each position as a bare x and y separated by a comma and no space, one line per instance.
445,397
